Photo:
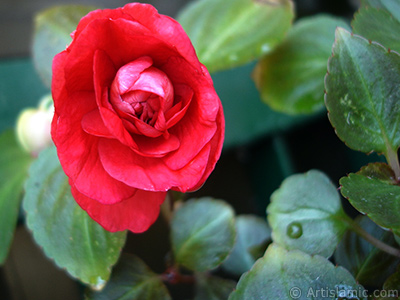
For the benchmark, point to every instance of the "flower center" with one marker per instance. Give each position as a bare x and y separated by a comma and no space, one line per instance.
142,91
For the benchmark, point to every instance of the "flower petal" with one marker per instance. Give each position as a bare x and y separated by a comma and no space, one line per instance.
115,38
156,147
163,26
136,213
58,79
129,74
199,124
77,150
167,28
150,174
215,152
193,137
100,14
93,124
102,69
183,97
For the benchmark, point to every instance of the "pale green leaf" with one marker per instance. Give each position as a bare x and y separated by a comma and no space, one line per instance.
53,27
247,118
202,233
66,232
305,213
14,163
227,35
132,279
251,231
288,275
291,78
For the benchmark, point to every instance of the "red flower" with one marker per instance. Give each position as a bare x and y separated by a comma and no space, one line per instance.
136,115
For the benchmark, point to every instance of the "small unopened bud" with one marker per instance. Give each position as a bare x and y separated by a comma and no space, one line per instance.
33,126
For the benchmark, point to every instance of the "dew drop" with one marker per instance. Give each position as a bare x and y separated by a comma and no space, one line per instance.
349,119
345,101
265,48
294,230
345,292
99,284
233,57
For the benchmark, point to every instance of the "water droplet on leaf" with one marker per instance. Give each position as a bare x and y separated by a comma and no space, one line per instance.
345,292
294,230
233,57
350,119
265,48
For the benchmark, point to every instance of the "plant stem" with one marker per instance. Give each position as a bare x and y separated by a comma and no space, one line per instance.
173,276
167,208
371,239
393,160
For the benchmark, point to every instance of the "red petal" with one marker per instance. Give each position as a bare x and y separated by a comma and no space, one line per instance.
78,153
104,71
165,27
94,182
119,39
216,144
98,34
67,133
100,14
183,97
58,79
130,73
136,214
145,129
156,147
199,124
93,124
150,173
193,136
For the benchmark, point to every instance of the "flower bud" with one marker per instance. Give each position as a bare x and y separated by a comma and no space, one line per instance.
33,126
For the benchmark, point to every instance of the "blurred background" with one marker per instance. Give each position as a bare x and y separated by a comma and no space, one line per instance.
16,16
16,19
245,176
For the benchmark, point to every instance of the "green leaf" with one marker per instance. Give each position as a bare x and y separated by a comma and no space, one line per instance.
362,94
66,232
305,213
283,274
369,265
397,238
202,233
374,191
246,117
212,287
132,279
53,27
251,231
14,163
391,287
227,36
291,78
392,6
378,25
